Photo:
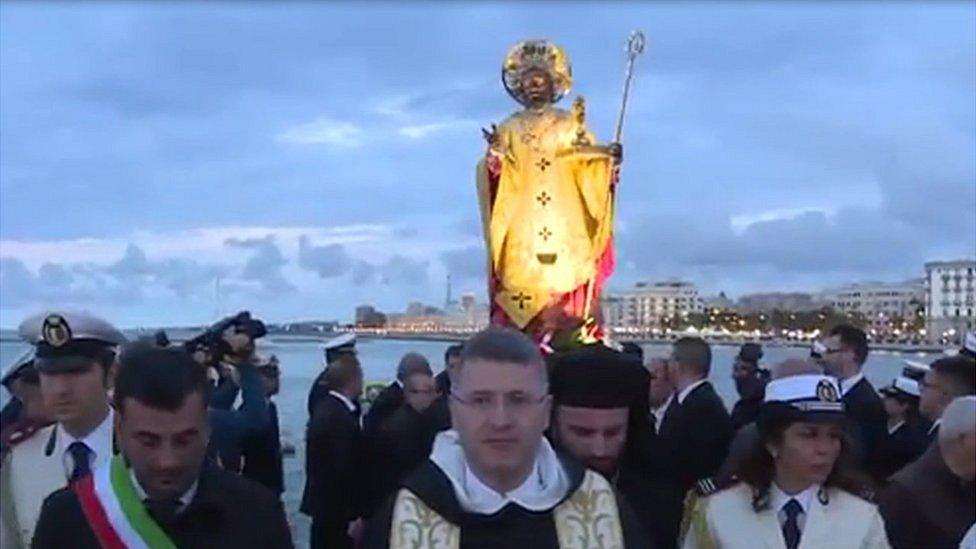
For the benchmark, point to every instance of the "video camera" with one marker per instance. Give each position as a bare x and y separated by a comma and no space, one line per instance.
212,341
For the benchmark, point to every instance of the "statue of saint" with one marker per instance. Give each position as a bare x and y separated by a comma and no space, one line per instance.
546,193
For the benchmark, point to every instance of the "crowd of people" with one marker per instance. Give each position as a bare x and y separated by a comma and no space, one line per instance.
116,443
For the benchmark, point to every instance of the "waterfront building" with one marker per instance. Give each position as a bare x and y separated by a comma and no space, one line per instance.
648,304
950,299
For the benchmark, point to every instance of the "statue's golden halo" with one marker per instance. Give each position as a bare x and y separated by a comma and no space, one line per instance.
537,54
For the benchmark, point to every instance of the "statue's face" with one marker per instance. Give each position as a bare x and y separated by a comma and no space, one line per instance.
537,86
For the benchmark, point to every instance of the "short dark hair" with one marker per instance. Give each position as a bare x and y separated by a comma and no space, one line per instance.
410,363
960,372
451,351
159,378
854,338
694,352
342,371
499,344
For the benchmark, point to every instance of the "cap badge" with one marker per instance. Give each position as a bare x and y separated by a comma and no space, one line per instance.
826,391
56,331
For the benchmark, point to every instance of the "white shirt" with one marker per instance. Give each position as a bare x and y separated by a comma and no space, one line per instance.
658,413
847,384
687,390
184,499
98,440
345,400
779,498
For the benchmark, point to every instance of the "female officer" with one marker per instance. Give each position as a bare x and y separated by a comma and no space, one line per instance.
793,491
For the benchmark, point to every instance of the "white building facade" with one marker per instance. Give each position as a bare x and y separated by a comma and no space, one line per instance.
648,304
950,299
878,299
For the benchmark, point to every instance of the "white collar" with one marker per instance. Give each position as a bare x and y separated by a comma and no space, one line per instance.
662,409
345,400
893,428
98,441
935,425
687,390
398,383
542,490
847,384
778,498
184,499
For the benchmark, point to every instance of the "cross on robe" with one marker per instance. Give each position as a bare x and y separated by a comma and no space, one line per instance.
521,298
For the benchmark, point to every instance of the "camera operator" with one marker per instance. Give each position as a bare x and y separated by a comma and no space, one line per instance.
231,344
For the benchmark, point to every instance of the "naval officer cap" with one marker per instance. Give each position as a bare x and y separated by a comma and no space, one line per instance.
902,388
807,397
21,366
595,377
67,341
345,343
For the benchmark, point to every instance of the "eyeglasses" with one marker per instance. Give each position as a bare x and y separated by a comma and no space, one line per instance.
486,403
829,351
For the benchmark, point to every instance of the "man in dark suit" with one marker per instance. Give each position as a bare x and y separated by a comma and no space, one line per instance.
162,432
907,431
930,502
846,350
694,435
440,410
947,378
406,438
262,450
750,382
333,448
336,347
390,398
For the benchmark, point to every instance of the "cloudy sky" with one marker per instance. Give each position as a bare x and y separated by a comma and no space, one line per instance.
309,157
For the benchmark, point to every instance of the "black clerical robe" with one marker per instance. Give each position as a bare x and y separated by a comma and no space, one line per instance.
512,526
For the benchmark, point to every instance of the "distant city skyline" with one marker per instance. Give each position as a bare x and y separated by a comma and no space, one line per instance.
317,156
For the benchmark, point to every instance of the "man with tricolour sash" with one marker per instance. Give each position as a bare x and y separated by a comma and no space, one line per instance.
160,491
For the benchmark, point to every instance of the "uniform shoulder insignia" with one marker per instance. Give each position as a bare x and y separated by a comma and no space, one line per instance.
19,432
711,485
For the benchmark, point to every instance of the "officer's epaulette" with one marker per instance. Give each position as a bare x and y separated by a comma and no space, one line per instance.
19,432
711,485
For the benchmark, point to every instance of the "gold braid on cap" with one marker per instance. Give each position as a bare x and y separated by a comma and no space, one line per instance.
537,54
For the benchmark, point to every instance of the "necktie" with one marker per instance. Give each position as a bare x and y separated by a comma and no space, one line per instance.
791,527
80,455
163,511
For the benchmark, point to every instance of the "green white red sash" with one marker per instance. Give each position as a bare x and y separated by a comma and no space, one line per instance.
114,511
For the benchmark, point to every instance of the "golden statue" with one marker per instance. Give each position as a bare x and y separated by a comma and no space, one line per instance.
546,193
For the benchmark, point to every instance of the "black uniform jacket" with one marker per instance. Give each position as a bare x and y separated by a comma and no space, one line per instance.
387,402
333,466
867,426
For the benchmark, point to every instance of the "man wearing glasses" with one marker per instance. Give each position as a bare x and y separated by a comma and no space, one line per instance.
844,354
494,480
947,378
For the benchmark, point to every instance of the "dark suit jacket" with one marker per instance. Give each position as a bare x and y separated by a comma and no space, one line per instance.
867,426
333,446
386,403
262,454
695,435
227,511
925,505
691,444
402,443
902,447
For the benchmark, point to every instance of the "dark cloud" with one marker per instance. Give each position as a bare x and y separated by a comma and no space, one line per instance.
466,262
265,264
401,270
363,273
328,261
